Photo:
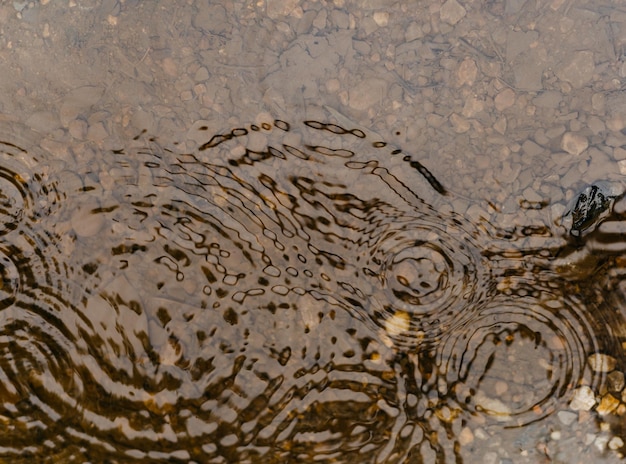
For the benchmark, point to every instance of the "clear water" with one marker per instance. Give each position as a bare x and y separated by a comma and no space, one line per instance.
311,232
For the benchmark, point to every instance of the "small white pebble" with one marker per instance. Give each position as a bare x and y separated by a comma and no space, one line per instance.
616,443
583,399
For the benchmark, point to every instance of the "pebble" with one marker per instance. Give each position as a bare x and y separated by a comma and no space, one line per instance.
501,387
467,72
381,18
504,99
615,381
600,442
459,123
608,404
583,399
574,144
466,436
452,12
616,443
601,362
567,417
202,74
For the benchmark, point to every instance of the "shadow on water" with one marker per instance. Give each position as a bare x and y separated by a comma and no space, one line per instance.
289,292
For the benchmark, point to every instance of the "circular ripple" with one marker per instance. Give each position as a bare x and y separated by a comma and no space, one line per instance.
10,276
517,359
13,192
430,275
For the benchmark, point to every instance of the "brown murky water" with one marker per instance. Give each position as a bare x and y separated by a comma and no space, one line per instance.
312,232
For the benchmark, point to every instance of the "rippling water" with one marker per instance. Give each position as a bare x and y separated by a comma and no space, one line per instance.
288,291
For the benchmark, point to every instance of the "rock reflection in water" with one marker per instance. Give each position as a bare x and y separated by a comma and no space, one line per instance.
282,294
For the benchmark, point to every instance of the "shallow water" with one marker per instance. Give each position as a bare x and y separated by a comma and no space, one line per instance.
210,253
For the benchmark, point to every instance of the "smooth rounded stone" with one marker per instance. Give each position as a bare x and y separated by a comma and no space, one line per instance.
467,72
381,18
504,99
615,443
573,143
601,362
567,417
466,436
583,399
615,381
452,12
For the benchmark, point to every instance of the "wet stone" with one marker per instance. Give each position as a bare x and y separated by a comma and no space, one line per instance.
583,399
567,417
607,404
452,12
615,381
601,362
467,72
573,143
616,443
504,99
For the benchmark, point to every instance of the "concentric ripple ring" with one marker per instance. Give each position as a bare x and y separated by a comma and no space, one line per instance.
517,359
430,276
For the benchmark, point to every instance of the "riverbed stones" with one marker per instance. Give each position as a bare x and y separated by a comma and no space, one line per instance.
524,69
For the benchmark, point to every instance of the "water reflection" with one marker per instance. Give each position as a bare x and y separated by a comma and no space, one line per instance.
285,292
